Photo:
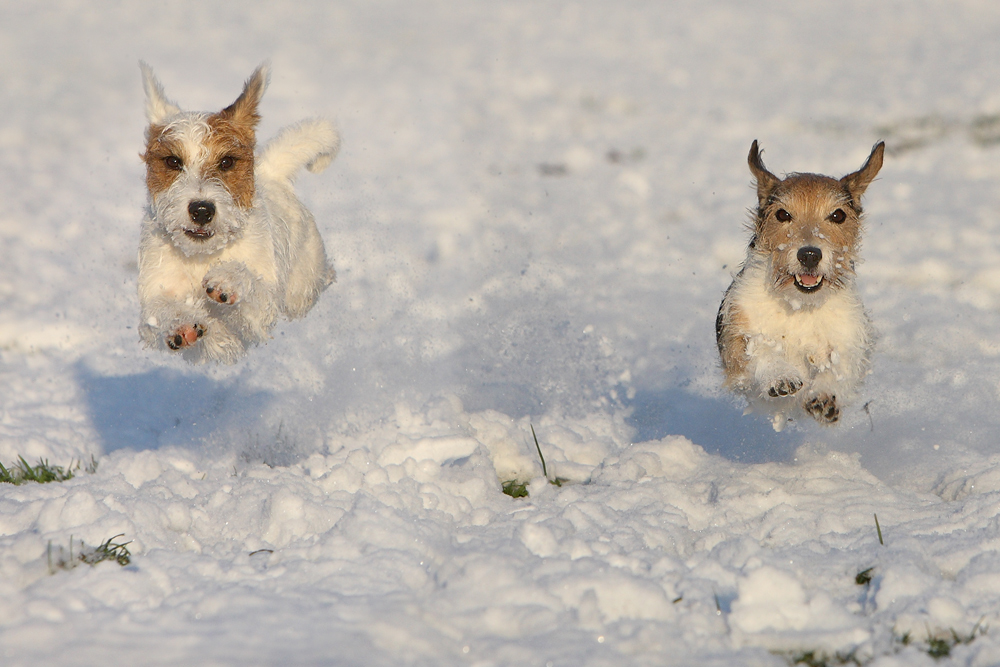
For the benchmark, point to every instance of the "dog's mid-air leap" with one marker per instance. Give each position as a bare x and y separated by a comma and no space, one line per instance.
792,331
226,246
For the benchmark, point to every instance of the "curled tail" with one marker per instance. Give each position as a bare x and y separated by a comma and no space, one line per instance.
311,144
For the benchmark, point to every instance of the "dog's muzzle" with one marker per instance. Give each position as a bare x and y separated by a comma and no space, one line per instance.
809,257
201,213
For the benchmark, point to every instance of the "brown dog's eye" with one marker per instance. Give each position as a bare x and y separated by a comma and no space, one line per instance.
838,216
227,163
173,163
782,215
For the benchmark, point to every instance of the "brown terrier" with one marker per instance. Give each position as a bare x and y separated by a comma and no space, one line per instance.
792,331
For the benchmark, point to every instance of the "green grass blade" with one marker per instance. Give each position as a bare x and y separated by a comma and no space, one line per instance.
538,447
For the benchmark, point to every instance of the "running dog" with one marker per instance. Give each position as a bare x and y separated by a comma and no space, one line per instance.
792,331
226,246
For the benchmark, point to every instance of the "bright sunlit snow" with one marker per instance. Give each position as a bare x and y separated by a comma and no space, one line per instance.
534,215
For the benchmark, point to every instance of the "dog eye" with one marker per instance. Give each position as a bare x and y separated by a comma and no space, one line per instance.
227,163
838,216
782,215
173,163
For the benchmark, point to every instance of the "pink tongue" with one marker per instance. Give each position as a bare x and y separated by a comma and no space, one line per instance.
808,280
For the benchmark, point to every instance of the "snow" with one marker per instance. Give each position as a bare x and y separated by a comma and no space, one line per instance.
533,217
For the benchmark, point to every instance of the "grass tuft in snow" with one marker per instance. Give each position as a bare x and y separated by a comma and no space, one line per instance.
558,481
818,659
108,550
864,577
938,647
878,528
43,472
939,644
66,559
516,489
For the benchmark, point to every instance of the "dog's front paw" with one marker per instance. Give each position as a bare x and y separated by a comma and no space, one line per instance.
823,408
185,335
784,387
220,292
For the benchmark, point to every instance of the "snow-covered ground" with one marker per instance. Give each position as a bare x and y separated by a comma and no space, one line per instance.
533,218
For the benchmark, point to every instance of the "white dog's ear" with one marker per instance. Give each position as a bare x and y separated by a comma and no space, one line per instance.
766,181
244,109
858,182
158,107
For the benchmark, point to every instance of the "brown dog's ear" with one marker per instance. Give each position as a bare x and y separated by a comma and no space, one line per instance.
244,110
858,182
766,181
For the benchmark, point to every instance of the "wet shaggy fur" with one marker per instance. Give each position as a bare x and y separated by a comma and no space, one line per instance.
792,332
226,245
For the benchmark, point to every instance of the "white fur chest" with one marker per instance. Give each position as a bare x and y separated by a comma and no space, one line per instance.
832,336
166,271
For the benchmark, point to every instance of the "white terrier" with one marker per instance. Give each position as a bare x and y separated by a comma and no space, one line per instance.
792,331
226,246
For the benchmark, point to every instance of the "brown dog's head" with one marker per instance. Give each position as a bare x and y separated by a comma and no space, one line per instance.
809,227
200,166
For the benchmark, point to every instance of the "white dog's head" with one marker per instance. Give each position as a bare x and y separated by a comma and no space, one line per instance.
200,166
809,227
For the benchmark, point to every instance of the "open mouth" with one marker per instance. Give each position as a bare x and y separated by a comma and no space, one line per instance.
808,282
200,234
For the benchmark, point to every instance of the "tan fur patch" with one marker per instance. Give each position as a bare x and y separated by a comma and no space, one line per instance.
808,210
812,202
159,147
235,141
226,139
733,344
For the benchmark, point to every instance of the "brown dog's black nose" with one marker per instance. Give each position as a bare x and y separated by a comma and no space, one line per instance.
202,212
809,256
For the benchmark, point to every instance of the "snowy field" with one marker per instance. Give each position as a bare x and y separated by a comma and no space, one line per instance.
533,218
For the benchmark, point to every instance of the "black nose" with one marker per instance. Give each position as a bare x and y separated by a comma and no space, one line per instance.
202,212
809,256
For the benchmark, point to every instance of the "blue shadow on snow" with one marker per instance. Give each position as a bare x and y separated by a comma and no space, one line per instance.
716,424
163,407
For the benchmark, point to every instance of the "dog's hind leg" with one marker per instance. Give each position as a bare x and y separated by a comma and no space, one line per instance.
308,272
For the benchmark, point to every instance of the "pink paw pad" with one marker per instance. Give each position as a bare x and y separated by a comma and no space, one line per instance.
220,295
185,336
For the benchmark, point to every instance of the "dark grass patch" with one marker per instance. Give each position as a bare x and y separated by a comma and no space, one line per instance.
937,645
515,489
42,473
